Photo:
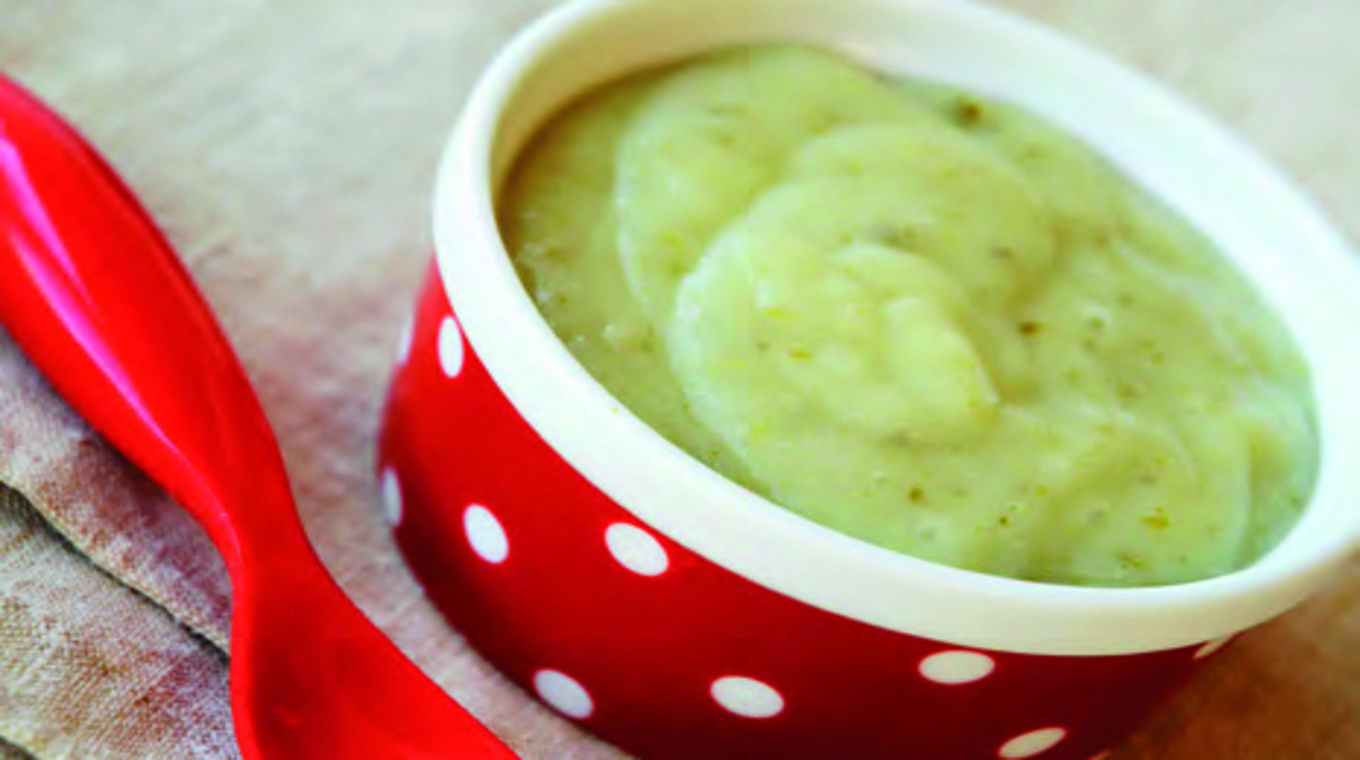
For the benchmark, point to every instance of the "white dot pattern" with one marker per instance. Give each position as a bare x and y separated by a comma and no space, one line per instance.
564,693
640,552
485,534
1212,648
450,347
957,667
747,697
391,497
1032,744
636,549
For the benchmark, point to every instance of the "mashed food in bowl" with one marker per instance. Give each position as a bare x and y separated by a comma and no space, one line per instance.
917,316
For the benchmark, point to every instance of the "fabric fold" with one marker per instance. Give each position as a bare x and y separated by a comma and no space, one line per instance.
91,669
121,521
114,605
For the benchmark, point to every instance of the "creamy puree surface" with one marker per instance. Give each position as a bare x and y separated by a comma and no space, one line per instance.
917,316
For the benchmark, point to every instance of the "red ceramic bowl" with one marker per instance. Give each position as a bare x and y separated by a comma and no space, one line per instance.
680,616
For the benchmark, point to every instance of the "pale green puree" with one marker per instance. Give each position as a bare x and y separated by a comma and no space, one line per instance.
920,317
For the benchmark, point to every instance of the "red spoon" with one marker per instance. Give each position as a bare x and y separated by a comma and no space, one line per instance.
96,297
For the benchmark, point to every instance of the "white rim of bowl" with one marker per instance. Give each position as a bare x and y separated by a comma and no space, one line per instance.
684,500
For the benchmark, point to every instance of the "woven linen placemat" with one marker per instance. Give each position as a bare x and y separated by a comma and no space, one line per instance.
287,148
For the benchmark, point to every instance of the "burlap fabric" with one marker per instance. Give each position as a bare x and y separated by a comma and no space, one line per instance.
287,147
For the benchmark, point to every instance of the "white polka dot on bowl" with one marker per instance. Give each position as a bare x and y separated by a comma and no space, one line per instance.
450,347
956,667
391,497
747,697
485,534
636,549
564,694
1032,744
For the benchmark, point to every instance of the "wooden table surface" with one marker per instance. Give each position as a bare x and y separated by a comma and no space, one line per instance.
288,148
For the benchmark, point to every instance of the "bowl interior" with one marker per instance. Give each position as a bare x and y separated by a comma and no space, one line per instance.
1283,246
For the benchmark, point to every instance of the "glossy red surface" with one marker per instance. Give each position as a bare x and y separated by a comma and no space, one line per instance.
95,295
639,638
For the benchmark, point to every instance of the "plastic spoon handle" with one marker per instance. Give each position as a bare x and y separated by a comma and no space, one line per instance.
96,297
